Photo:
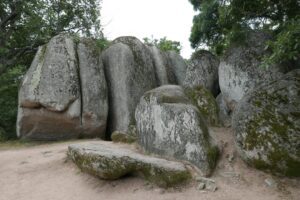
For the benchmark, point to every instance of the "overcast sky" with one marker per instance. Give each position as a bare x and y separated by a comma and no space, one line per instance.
146,18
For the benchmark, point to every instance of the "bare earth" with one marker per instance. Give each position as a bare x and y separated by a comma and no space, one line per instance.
44,173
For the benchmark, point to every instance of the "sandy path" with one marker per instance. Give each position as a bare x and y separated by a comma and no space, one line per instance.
44,173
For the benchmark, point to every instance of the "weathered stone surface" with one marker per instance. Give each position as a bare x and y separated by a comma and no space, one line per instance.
122,137
93,89
203,71
163,70
169,125
224,113
240,71
49,98
111,161
178,66
63,95
205,102
130,72
266,124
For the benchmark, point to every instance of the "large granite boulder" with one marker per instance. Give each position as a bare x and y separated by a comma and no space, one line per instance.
169,125
50,98
266,124
178,66
203,71
163,71
130,73
205,102
112,161
93,89
240,71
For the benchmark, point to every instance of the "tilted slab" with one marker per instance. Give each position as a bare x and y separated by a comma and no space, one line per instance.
112,161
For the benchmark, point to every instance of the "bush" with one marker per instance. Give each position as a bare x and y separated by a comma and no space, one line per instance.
9,83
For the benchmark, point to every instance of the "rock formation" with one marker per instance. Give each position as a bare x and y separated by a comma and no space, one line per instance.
203,71
51,105
110,161
169,125
266,124
240,69
130,73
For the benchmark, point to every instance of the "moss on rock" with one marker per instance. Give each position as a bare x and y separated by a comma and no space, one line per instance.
108,161
267,127
205,102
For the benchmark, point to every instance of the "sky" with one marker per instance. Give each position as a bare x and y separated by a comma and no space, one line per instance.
147,18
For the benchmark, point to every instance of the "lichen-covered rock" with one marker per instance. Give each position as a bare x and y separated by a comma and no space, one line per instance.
178,66
118,136
49,98
205,102
63,95
111,161
163,70
240,71
203,71
267,126
224,112
93,89
130,73
169,125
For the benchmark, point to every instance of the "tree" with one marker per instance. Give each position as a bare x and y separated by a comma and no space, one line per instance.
25,25
164,44
221,22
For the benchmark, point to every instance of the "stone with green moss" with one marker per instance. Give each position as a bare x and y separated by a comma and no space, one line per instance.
267,126
205,102
112,161
169,125
118,136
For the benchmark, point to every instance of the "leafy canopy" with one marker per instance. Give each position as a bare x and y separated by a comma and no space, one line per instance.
221,22
164,44
25,25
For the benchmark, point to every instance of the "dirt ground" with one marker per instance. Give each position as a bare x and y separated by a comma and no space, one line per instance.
43,172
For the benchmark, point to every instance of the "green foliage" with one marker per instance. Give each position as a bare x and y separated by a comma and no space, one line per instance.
102,43
9,83
25,25
286,46
164,44
222,22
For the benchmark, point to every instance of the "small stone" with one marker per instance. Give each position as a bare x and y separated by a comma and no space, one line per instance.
271,182
230,175
201,186
204,180
230,157
211,187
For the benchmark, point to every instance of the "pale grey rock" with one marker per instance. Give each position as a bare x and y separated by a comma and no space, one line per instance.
240,69
266,125
49,97
203,71
178,66
224,111
64,94
93,89
130,73
111,161
271,182
163,70
170,126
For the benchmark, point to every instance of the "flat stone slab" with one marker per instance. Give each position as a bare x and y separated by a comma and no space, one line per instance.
111,161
